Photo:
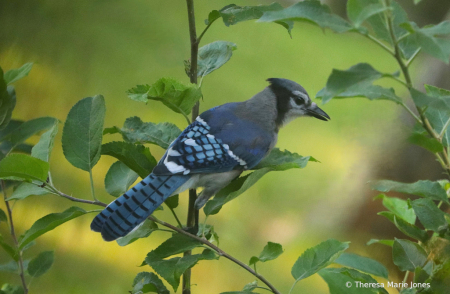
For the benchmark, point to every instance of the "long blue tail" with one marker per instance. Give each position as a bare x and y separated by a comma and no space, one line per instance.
129,210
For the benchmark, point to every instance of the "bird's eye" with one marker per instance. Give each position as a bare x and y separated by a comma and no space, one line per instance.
298,100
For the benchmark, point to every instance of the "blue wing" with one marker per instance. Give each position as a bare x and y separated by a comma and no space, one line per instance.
217,141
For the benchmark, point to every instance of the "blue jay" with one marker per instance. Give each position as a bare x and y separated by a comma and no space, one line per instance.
216,148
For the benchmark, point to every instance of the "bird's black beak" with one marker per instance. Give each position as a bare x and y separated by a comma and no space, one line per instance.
315,111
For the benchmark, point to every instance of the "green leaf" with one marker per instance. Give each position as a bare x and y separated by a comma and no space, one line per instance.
345,280
356,82
174,245
233,14
405,227
10,267
148,282
28,129
143,231
438,116
384,242
440,280
427,38
172,201
427,189
271,251
408,255
7,102
136,157
12,252
276,161
21,167
213,55
11,289
82,133
431,217
14,75
27,189
44,147
283,160
136,131
250,286
233,190
316,258
311,11
119,178
253,260
399,207
358,13
172,269
178,97
364,264
425,141
209,233
3,217
48,223
41,264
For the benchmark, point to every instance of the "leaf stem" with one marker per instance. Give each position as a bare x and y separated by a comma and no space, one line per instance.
92,185
411,112
396,79
204,31
410,60
175,215
404,279
379,43
444,129
16,243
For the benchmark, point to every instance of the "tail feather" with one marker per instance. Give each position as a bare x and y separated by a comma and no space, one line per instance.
126,212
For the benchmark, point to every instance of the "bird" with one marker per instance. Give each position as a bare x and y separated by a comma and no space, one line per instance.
213,150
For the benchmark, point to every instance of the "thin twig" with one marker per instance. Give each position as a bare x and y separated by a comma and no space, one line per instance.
16,243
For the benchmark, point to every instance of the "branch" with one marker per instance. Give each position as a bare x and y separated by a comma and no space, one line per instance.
13,235
219,251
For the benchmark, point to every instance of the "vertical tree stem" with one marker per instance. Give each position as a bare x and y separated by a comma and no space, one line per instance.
192,217
13,235
404,67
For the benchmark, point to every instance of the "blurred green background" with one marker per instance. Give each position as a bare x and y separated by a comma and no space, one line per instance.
83,48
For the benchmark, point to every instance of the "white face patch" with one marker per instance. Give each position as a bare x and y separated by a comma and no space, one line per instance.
294,111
